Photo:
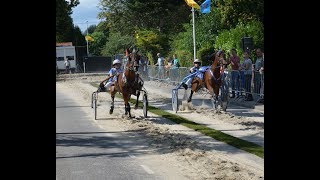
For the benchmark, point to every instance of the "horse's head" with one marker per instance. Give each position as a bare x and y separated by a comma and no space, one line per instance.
219,56
133,58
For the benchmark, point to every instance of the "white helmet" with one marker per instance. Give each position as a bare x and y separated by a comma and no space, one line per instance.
196,61
116,61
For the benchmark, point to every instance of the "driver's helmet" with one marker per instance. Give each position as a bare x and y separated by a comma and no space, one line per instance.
116,61
196,61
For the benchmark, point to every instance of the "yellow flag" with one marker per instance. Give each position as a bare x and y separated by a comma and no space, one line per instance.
89,38
193,4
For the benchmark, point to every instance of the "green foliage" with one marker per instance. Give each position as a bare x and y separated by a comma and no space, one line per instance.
185,57
116,44
203,54
90,30
163,15
151,41
97,45
64,24
236,11
78,39
102,27
165,26
150,57
182,45
229,39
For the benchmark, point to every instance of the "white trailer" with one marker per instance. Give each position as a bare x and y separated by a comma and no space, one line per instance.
63,52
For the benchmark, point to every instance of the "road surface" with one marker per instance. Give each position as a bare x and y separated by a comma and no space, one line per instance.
85,150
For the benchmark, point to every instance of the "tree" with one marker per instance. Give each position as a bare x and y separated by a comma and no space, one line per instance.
64,24
78,38
229,39
102,27
235,11
151,41
97,45
164,15
90,29
117,44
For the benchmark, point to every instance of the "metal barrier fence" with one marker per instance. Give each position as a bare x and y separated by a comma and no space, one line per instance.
242,84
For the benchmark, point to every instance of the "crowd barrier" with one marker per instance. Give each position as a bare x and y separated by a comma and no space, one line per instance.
242,84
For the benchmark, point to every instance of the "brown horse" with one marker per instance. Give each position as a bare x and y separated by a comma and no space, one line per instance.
127,83
211,80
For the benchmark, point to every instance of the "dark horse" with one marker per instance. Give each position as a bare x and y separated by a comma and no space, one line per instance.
127,82
211,79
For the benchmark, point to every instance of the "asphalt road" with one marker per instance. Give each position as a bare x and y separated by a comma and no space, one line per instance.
85,150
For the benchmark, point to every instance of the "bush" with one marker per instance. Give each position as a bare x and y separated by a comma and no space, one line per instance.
229,39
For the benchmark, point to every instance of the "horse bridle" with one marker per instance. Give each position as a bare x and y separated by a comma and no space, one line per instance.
221,74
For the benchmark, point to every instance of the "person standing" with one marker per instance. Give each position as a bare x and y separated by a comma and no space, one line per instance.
235,74
258,68
175,66
160,64
247,66
67,65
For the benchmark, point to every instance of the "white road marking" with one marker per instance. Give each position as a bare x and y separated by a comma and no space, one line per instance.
147,169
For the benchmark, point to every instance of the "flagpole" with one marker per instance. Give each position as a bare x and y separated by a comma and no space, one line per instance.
194,35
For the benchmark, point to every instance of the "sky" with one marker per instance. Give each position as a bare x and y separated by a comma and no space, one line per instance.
87,10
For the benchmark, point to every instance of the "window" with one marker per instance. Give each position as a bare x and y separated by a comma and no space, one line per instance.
60,59
70,57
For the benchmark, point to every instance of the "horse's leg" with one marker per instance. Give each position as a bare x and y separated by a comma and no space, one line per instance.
112,92
138,94
193,89
216,97
216,91
211,87
126,104
190,97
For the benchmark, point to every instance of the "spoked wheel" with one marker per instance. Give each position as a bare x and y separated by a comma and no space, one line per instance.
214,102
224,95
175,105
94,105
145,105
92,98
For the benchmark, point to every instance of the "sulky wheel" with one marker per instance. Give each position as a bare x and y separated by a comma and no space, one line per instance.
145,105
175,105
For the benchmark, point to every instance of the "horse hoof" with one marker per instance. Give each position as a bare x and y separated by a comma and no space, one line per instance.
111,110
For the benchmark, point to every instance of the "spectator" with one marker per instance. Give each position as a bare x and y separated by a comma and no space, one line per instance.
168,67
67,65
235,74
247,66
160,64
174,68
144,63
258,68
